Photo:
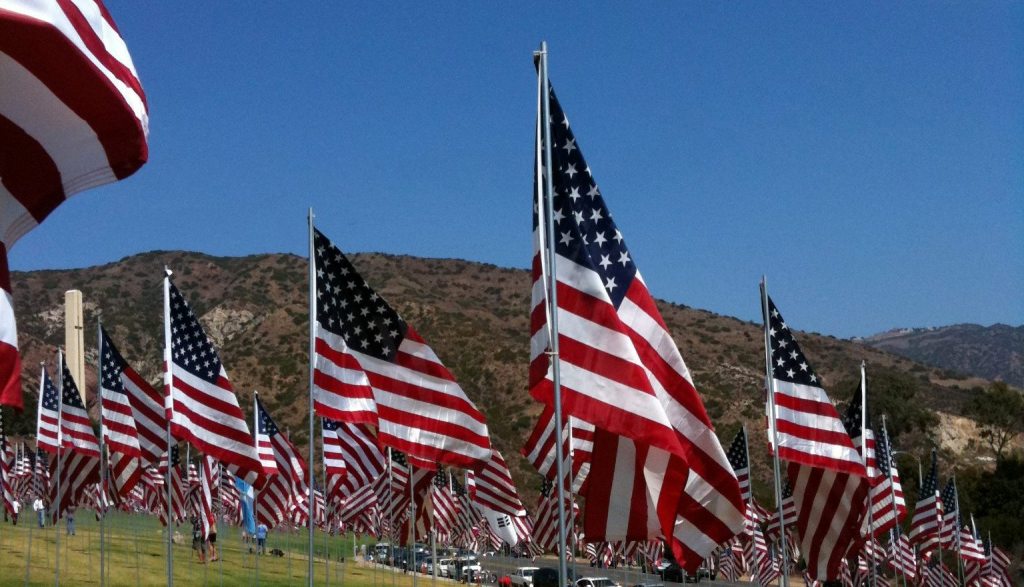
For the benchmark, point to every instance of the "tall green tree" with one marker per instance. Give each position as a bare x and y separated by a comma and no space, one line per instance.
999,412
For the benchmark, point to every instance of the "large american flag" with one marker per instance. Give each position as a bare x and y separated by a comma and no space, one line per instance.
282,489
72,116
119,429
621,372
146,403
201,404
47,415
740,465
926,525
825,470
888,505
372,367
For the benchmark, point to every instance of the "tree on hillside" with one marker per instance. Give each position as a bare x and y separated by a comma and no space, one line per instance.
999,412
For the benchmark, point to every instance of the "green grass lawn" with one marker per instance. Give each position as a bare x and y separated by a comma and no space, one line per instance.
136,554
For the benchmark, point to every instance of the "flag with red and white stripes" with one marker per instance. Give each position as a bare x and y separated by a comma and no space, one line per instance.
201,403
78,462
72,116
7,466
888,505
445,508
147,404
545,527
825,470
902,558
738,461
494,487
997,569
540,447
622,372
119,430
204,493
281,490
372,367
952,521
926,525
352,459
788,511
48,415
156,485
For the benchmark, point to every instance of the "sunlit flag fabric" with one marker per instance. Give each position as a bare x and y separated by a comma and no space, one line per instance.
47,415
372,367
351,456
120,433
79,455
149,420
158,490
202,403
888,505
545,527
72,116
621,372
281,490
825,471
878,463
926,524
495,489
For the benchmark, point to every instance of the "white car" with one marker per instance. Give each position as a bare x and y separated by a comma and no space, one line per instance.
523,576
445,567
596,582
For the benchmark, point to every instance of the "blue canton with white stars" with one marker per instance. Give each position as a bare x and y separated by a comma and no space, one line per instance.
329,425
852,418
931,481
348,307
788,361
112,365
191,349
49,393
949,501
737,454
584,230
883,454
265,423
71,396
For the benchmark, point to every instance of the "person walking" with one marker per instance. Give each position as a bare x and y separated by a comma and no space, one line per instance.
40,510
16,508
261,538
211,541
198,544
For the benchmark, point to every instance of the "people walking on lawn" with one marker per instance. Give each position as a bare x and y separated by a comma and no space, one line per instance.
15,508
261,538
198,544
70,517
211,541
39,509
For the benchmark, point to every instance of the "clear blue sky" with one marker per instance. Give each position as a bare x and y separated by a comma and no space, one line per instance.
868,158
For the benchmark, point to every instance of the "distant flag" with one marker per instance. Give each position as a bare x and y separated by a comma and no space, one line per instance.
202,404
79,455
47,415
6,470
621,371
443,503
998,567
372,367
926,525
281,490
73,116
738,460
177,487
949,535
545,528
540,447
788,511
494,487
352,457
825,470
119,430
119,380
902,558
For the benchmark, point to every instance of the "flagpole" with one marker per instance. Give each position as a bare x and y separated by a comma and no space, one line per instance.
312,351
60,444
546,212
168,410
103,445
391,517
864,457
772,417
750,496
895,506
956,524
412,527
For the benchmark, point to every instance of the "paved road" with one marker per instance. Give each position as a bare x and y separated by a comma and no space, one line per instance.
623,576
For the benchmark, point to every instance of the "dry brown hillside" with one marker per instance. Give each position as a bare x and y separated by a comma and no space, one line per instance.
475,317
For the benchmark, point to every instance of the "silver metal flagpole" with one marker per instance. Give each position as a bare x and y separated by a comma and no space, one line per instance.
103,445
864,457
312,351
168,410
772,416
750,497
60,445
956,533
411,564
545,212
392,534
256,492
895,509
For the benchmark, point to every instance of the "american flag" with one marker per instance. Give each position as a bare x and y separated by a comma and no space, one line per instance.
949,535
446,510
7,459
47,415
352,459
621,372
147,404
540,447
202,404
119,429
156,482
926,525
901,556
825,470
204,493
372,367
728,566
738,460
467,517
788,511
361,501
936,574
74,117
545,527
887,501
997,570
862,435
765,570
78,462
971,548
494,487
280,491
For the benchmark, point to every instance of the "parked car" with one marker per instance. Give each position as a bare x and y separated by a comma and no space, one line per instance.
548,576
471,572
445,567
596,582
523,576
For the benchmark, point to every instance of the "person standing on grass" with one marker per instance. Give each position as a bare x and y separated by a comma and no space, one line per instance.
211,541
261,538
70,517
16,507
40,510
198,544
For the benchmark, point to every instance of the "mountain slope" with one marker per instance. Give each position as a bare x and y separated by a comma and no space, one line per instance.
993,352
474,315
